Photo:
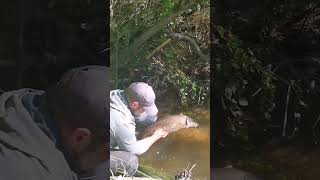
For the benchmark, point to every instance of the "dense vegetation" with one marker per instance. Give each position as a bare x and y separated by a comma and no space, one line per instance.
164,43
42,39
266,70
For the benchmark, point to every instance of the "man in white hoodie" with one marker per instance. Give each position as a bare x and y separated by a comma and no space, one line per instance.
129,107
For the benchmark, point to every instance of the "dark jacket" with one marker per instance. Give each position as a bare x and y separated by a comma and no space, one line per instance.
27,143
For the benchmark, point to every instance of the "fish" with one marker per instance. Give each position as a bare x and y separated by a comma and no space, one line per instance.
199,136
170,123
231,174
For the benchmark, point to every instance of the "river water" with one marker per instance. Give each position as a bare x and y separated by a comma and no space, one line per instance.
187,146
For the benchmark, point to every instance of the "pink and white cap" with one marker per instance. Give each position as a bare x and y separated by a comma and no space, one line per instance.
145,95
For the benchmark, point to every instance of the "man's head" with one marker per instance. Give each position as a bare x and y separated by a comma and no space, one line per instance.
141,99
79,105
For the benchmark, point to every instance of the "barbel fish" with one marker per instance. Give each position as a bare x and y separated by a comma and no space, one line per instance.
170,123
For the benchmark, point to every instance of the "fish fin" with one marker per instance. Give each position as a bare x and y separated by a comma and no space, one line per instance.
187,124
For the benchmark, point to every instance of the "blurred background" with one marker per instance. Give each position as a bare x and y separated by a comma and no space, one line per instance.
39,40
266,69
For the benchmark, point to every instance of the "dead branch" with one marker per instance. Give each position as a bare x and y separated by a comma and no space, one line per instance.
182,37
133,47
159,48
286,112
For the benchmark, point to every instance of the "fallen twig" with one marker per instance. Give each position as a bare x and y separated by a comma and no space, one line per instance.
159,48
186,174
286,112
256,92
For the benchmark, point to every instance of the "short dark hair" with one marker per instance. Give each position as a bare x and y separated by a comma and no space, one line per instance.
81,99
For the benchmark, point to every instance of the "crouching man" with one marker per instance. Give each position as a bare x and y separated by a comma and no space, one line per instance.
128,108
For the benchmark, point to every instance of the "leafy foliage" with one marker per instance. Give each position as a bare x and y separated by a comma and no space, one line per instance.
247,84
266,70
175,66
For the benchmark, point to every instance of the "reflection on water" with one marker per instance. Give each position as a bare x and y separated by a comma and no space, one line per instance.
187,146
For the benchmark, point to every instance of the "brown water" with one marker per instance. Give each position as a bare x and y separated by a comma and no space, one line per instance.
296,162
187,146
280,161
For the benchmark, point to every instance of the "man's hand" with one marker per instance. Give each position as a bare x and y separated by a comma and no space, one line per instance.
161,133
144,144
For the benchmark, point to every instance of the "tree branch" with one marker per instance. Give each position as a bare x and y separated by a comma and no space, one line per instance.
182,37
286,112
129,52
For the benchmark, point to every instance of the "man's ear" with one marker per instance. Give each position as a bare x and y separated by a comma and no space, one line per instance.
135,105
81,138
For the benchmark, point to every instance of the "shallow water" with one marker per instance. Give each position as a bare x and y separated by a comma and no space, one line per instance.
187,146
